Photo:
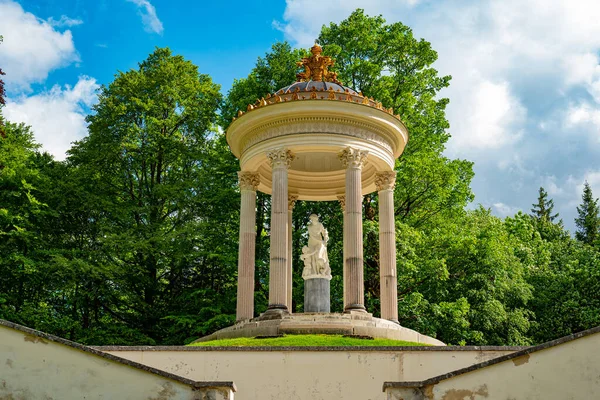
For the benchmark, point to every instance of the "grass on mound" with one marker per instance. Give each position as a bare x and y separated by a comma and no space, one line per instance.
306,340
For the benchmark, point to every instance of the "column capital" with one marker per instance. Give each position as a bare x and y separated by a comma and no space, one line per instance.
280,158
248,180
342,199
292,199
385,180
353,158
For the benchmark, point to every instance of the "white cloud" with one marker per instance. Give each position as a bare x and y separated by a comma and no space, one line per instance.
584,118
31,48
57,116
487,117
64,21
549,183
149,17
504,210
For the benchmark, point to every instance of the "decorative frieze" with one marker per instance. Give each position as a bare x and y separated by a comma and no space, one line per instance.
385,180
248,180
280,158
353,158
318,125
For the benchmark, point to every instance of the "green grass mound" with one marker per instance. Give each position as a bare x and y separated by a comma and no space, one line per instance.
305,341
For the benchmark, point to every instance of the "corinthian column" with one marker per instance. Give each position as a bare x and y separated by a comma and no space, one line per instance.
291,202
388,282
280,160
245,290
354,288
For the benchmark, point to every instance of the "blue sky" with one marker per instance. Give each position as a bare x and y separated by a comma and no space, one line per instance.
524,98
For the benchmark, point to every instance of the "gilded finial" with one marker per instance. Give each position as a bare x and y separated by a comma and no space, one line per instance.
316,67
240,113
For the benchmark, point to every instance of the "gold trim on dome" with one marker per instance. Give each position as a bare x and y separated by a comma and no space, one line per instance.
313,94
315,67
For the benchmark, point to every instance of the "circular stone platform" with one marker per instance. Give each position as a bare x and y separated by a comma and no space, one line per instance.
353,323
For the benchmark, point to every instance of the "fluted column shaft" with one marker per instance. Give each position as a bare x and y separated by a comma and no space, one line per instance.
388,282
342,200
354,287
245,290
280,161
290,282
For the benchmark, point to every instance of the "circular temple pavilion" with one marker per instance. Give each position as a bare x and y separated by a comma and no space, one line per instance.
321,141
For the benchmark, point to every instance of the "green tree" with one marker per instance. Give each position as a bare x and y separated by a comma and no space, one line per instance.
542,210
588,219
21,247
153,167
464,281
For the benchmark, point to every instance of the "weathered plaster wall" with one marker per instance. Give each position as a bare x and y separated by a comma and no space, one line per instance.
36,367
300,374
567,370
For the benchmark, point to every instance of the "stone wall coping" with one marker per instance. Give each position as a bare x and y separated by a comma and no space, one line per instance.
474,367
310,348
119,360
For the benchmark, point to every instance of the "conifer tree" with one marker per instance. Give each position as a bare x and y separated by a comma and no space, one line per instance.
542,210
588,220
2,99
2,92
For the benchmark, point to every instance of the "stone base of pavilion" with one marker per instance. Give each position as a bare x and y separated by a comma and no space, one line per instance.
353,323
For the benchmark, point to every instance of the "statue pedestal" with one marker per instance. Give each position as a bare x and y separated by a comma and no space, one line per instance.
316,295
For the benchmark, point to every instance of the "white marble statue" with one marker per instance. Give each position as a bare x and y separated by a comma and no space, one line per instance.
316,262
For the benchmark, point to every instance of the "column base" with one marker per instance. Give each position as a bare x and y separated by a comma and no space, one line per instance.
274,311
355,308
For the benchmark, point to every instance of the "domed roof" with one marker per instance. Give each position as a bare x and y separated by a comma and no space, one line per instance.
317,85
